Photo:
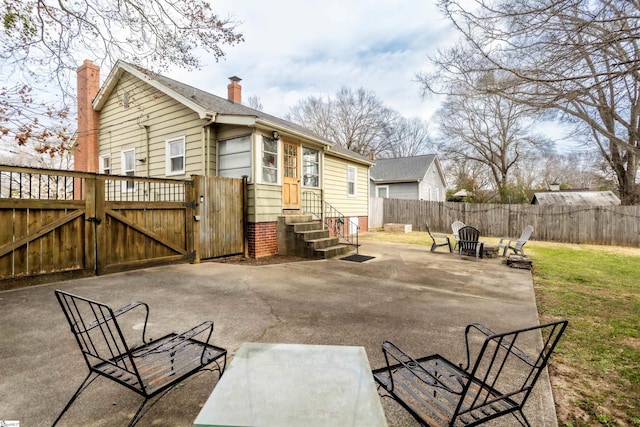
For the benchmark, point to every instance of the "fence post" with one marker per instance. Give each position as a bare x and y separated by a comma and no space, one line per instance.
95,241
245,216
192,216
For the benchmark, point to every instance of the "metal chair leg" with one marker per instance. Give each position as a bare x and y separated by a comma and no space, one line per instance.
80,389
521,418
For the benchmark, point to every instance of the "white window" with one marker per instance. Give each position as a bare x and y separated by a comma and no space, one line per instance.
175,156
128,168
105,164
269,160
234,157
310,167
352,181
382,191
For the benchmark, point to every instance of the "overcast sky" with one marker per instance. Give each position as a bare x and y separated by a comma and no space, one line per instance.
296,49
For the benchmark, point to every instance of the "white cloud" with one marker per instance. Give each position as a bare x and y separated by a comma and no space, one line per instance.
296,49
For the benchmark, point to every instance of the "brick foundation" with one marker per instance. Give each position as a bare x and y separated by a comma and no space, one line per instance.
262,239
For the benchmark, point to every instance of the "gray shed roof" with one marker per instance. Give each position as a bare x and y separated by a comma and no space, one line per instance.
585,198
403,169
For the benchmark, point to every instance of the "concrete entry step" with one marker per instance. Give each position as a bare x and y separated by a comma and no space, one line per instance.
300,235
334,251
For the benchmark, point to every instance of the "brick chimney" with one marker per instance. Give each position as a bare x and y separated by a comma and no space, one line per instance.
234,90
86,149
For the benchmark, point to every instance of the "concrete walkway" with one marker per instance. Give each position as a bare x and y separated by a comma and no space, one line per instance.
420,300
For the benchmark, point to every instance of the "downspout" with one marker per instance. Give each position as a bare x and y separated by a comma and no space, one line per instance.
204,148
148,143
206,143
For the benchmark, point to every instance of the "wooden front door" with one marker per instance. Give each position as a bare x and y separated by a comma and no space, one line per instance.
290,176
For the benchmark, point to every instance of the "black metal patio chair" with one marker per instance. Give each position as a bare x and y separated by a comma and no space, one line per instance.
496,382
438,240
150,368
469,242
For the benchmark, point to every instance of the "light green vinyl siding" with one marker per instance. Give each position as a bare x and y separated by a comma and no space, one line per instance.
335,187
153,115
265,202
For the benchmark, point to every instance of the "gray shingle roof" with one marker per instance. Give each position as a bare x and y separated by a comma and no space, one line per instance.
403,169
588,198
221,105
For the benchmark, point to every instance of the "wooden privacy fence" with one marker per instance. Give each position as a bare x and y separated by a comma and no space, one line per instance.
602,225
59,224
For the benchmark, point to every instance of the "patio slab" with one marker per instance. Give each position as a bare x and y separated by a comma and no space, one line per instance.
419,299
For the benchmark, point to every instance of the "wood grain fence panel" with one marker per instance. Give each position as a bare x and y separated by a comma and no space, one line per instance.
6,237
34,248
221,228
605,225
21,230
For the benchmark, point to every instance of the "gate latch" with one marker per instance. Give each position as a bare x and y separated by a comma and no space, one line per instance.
94,219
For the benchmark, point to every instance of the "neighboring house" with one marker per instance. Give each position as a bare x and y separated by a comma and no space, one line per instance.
585,198
144,124
417,178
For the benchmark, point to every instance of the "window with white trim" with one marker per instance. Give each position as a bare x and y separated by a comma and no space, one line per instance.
128,168
105,164
175,156
382,191
352,181
269,160
310,167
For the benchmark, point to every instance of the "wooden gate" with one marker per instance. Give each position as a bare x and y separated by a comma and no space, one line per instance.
141,222
222,216
61,224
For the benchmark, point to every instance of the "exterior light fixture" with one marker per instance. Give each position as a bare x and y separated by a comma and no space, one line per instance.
275,134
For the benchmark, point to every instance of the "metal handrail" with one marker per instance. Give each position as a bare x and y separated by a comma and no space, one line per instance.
314,204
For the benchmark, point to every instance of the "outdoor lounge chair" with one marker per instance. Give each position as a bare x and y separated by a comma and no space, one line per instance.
496,382
438,240
455,228
150,368
516,245
469,242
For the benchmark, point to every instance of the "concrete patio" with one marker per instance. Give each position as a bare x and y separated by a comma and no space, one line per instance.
420,300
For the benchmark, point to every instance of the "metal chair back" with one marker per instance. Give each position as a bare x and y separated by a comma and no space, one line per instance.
506,368
498,378
98,334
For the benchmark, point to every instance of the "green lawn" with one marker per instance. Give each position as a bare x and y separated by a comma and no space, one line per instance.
595,371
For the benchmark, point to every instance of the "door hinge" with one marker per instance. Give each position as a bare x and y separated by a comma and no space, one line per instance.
191,204
190,256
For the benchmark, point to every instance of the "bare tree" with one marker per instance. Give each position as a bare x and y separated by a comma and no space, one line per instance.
43,43
580,58
255,103
490,131
470,176
359,121
408,137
